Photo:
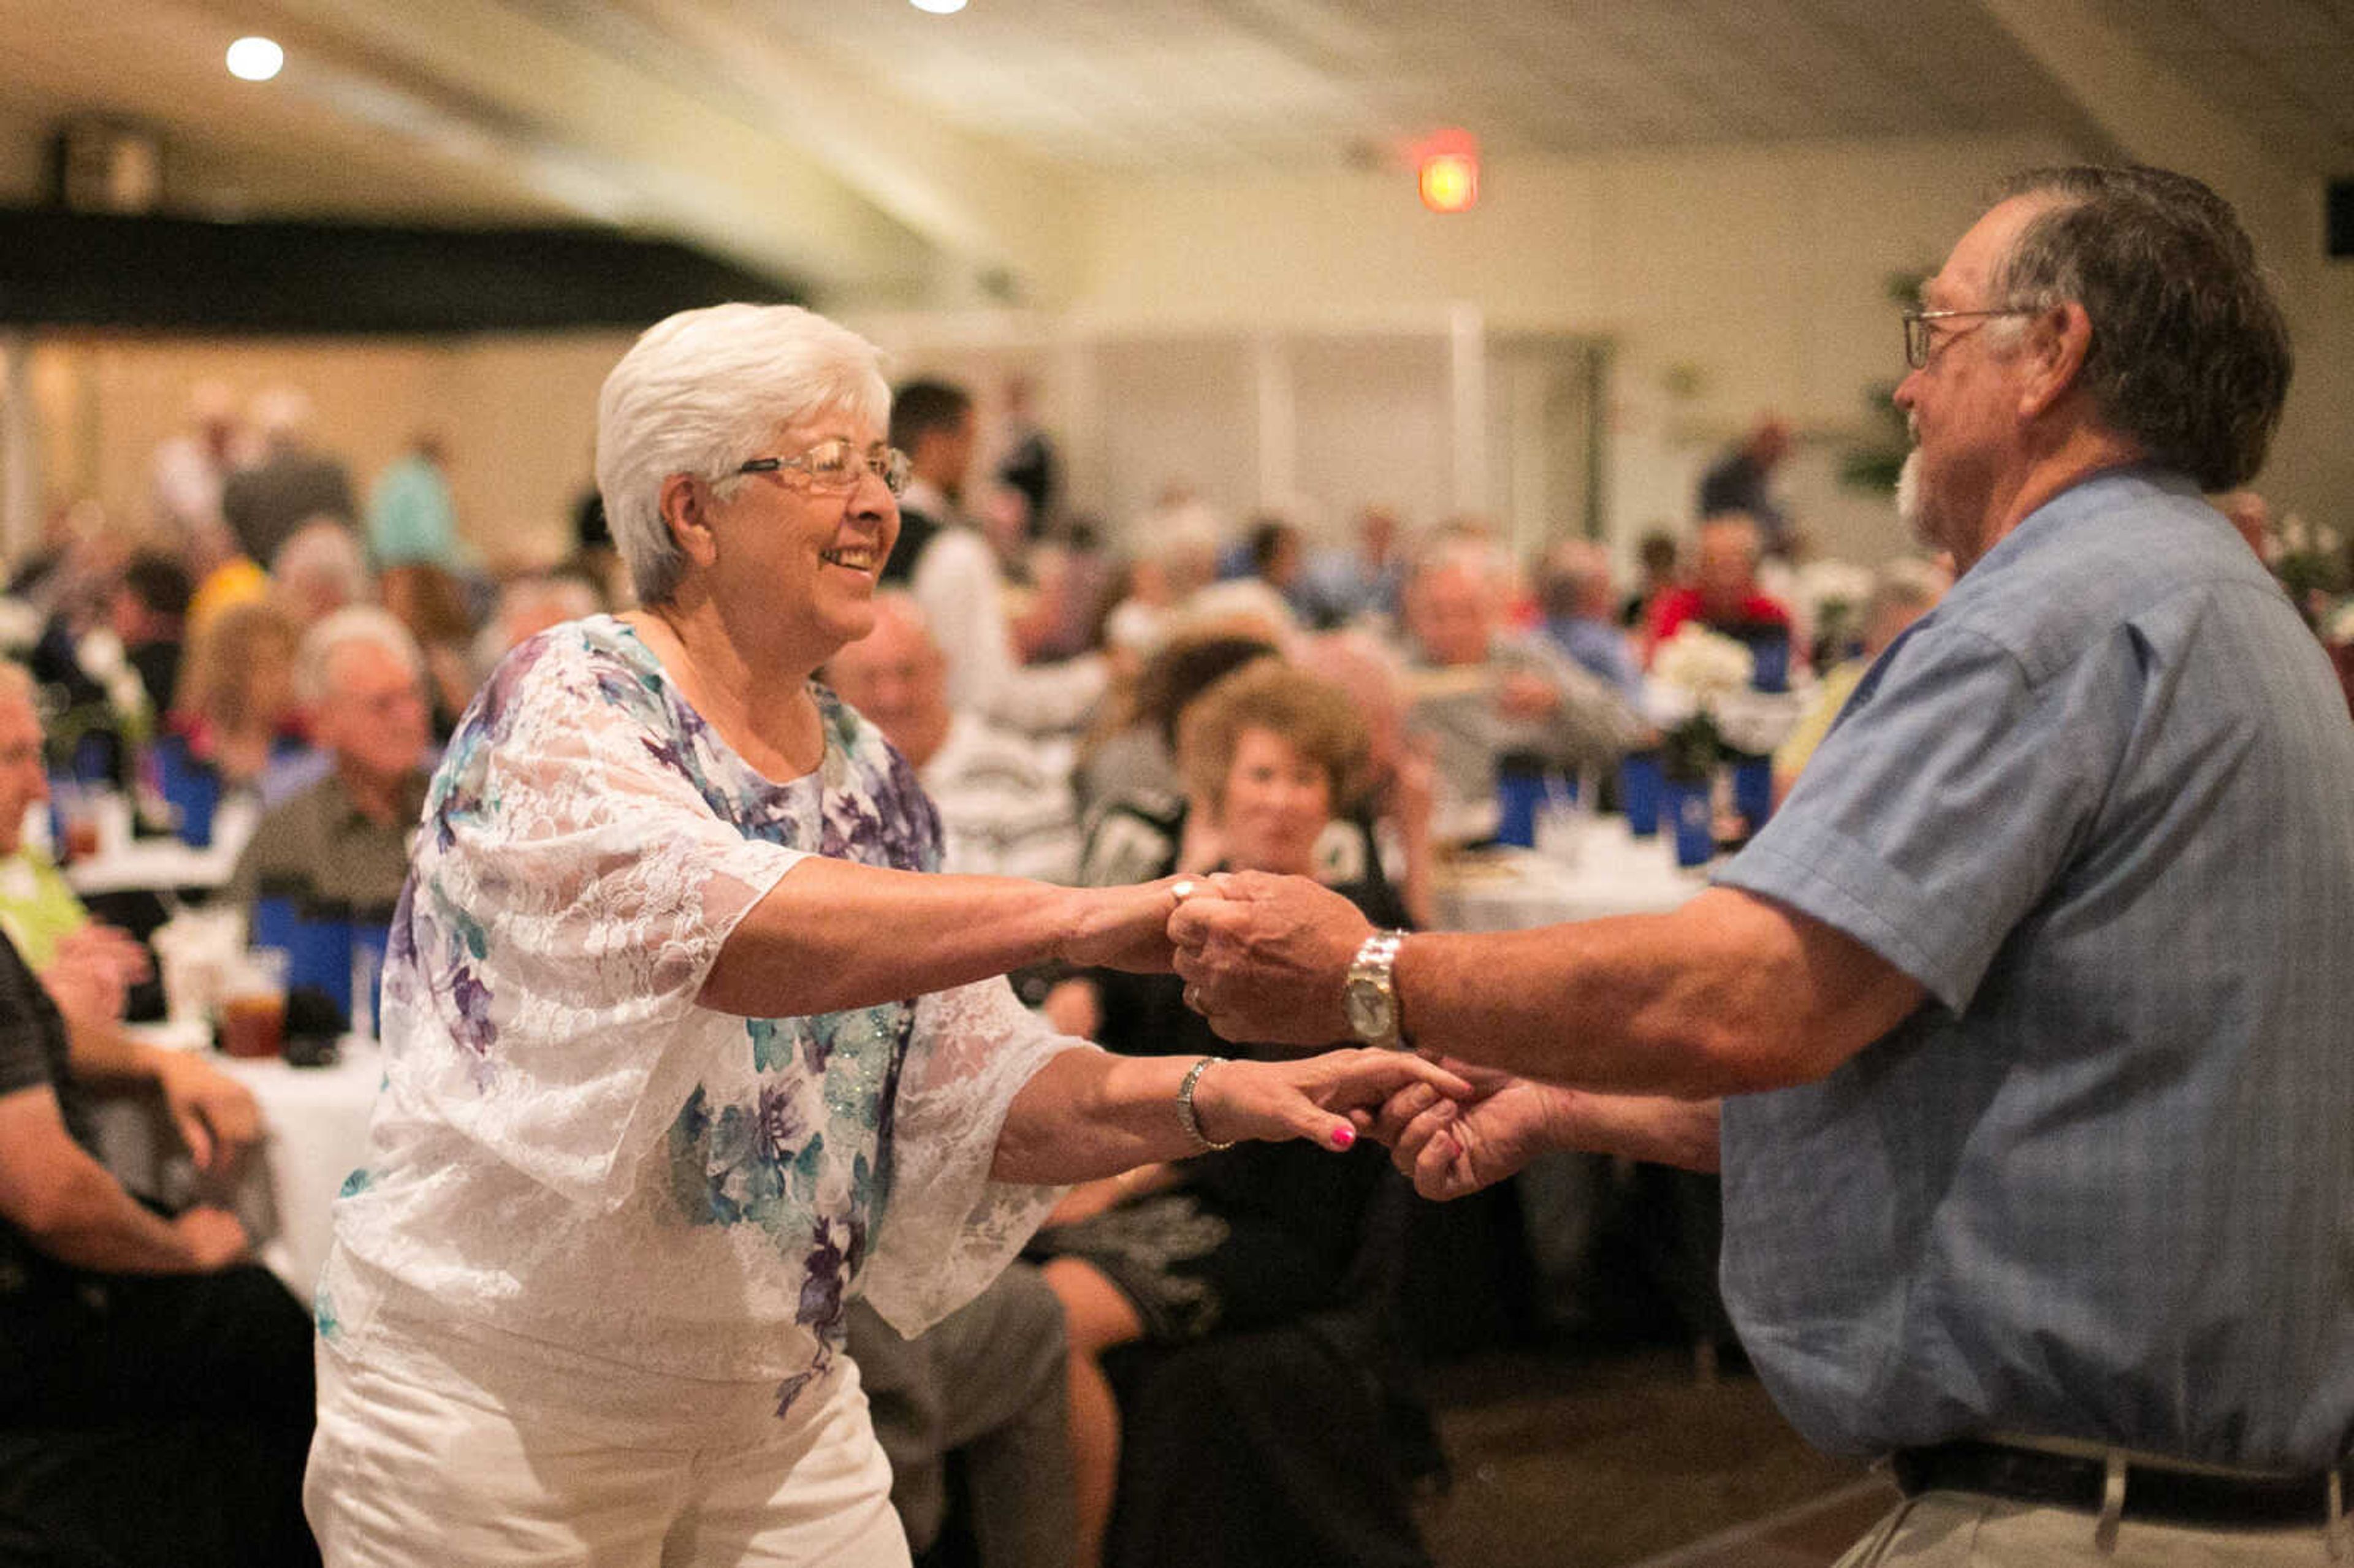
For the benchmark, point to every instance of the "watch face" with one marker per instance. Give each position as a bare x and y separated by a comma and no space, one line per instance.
1369,1009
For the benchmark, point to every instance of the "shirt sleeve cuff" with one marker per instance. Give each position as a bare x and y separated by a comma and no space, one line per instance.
1832,879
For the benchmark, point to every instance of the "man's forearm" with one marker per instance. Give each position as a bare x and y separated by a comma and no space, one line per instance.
104,1056
1727,995
94,1223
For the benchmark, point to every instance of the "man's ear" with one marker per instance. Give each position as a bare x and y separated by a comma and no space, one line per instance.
2056,343
683,503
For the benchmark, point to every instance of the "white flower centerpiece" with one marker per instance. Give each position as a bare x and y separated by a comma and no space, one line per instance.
2311,563
104,660
1703,667
1832,594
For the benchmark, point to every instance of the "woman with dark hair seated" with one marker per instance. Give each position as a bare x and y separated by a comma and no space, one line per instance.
1235,1238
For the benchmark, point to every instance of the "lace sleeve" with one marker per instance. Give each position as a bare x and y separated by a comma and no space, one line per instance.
573,889
950,1229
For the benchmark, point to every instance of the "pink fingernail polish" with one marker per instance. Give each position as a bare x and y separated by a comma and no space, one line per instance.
1343,1136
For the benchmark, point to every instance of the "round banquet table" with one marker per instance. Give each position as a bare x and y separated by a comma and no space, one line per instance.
1588,867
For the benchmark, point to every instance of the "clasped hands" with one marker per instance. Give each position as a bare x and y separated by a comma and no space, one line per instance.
1263,959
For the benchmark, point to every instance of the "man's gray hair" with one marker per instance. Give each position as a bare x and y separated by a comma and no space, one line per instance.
898,601
354,624
2189,355
704,391
324,552
1572,571
1907,583
1451,552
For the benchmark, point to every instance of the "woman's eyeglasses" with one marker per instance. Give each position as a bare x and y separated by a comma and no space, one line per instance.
838,464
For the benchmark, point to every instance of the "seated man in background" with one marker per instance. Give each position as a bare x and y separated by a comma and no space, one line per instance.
1343,586
1005,800
987,1381
155,1387
1723,594
344,840
526,606
1482,693
1581,614
87,968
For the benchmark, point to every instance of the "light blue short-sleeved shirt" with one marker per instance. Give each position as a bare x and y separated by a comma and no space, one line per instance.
2100,803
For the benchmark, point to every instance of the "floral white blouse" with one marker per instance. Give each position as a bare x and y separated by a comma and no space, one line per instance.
567,1147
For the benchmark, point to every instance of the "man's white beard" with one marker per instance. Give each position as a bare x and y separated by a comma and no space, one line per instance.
1911,502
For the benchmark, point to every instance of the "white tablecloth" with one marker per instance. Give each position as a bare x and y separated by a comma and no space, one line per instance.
315,1124
167,865
1593,868
159,865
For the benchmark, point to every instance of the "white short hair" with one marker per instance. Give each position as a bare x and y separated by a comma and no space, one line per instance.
568,599
323,551
698,394
354,624
1454,552
1904,583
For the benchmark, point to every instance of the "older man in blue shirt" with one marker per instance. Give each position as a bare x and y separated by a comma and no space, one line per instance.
2022,1030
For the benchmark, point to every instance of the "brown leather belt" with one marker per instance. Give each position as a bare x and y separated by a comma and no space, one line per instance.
2158,1493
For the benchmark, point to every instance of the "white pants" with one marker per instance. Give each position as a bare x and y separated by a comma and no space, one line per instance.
1959,1530
467,1460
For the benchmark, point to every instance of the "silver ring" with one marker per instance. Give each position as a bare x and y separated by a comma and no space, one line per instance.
1185,889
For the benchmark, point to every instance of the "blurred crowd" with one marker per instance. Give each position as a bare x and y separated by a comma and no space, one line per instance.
1218,694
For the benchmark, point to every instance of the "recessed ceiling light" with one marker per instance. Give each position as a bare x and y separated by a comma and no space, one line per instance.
939,7
255,59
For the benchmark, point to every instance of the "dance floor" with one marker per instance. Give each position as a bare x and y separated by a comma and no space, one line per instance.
1625,1459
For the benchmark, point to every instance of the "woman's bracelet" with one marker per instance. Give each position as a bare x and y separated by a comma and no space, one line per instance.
1186,1116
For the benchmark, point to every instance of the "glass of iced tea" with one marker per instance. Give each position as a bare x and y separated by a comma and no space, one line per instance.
253,1008
77,813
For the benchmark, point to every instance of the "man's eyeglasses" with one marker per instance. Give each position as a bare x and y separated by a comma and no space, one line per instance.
838,465
1919,339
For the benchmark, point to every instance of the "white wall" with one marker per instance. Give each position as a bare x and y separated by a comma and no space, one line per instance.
2313,471
518,415
1731,282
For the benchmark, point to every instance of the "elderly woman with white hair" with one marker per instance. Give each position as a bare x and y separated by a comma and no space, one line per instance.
685,1046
